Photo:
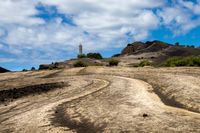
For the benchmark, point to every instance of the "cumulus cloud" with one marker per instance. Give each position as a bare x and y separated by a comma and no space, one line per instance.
6,59
2,32
99,25
191,5
19,12
110,18
179,17
1,46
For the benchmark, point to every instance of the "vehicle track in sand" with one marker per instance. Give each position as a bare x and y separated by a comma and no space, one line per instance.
102,99
117,110
29,113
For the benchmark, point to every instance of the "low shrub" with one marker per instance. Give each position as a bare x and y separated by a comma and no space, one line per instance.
43,67
24,70
144,63
80,64
113,62
182,61
33,69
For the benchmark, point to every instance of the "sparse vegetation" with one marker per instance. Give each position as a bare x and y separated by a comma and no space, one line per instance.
80,64
113,62
190,46
182,61
144,63
51,66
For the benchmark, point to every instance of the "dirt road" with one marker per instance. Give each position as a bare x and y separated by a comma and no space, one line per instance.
101,99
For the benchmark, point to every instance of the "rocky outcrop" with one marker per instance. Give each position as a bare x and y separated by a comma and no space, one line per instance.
149,46
3,70
131,48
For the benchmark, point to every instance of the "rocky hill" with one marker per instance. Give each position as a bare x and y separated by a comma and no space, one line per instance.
155,51
140,47
158,46
3,70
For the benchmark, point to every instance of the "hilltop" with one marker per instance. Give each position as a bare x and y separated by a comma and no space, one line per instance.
155,51
3,70
141,47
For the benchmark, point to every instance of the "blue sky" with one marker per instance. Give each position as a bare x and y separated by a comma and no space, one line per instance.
34,32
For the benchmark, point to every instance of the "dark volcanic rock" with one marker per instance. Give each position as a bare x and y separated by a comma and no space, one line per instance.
3,70
14,93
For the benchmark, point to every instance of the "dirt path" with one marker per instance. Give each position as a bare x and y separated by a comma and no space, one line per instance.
127,105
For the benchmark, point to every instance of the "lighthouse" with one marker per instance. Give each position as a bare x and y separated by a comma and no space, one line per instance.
80,49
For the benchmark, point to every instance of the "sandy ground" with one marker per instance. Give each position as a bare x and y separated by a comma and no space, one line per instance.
103,99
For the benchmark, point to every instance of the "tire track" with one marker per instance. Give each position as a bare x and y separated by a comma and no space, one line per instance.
106,100
78,114
43,111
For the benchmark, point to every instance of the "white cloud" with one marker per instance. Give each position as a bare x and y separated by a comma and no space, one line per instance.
110,18
179,17
19,12
106,23
6,59
1,46
2,32
191,5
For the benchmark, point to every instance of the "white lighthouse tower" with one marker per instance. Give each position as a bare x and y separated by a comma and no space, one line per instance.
80,49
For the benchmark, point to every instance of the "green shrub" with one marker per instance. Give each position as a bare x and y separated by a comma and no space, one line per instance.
81,56
182,61
144,63
94,55
113,62
33,69
80,64
43,67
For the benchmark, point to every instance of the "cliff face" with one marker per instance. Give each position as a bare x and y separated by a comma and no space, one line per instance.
140,47
3,70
